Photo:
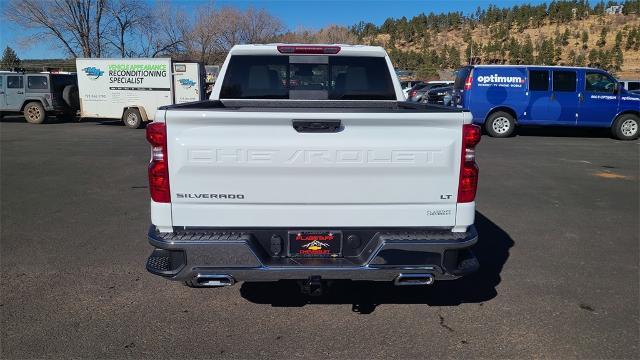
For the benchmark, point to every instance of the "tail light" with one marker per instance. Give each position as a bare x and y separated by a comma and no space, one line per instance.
468,81
158,167
468,168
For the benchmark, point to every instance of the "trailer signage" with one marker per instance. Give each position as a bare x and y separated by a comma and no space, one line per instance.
93,72
135,73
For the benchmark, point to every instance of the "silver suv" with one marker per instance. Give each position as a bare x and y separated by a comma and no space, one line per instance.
38,95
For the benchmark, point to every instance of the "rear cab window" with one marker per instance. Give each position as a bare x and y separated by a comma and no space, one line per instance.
307,77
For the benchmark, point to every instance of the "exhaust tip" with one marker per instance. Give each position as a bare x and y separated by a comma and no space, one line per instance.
414,279
204,280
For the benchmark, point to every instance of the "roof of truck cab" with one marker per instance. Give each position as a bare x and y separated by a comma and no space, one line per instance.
272,49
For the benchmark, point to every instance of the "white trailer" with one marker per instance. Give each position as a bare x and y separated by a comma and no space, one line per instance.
133,89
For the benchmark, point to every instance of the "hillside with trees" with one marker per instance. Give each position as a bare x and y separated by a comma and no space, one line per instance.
567,32
560,33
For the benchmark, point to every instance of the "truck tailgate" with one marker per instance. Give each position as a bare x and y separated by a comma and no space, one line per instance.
252,168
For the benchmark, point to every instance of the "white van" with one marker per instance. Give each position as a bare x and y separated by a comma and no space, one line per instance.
133,89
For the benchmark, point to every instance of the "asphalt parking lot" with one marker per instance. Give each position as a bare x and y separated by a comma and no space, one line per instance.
559,253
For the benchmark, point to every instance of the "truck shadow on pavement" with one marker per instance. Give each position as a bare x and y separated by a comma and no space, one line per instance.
492,251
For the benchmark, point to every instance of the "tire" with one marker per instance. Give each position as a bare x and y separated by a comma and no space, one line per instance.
626,127
132,118
500,124
71,97
34,113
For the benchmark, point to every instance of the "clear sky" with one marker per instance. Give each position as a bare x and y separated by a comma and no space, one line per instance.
312,14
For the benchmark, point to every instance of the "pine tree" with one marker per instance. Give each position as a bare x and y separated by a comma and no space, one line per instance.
585,39
557,37
9,59
565,37
557,54
602,41
454,57
618,38
593,57
466,36
631,39
527,51
572,58
618,58
426,41
435,59
514,52
546,53
427,72
618,55
631,7
606,60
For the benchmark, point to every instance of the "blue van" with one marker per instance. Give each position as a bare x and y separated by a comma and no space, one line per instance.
501,97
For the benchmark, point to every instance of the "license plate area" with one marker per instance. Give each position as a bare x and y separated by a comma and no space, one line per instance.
310,243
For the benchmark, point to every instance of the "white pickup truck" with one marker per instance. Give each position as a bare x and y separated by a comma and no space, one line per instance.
307,163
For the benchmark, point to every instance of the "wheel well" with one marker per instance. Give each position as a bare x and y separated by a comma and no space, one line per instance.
504,109
632,112
29,101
